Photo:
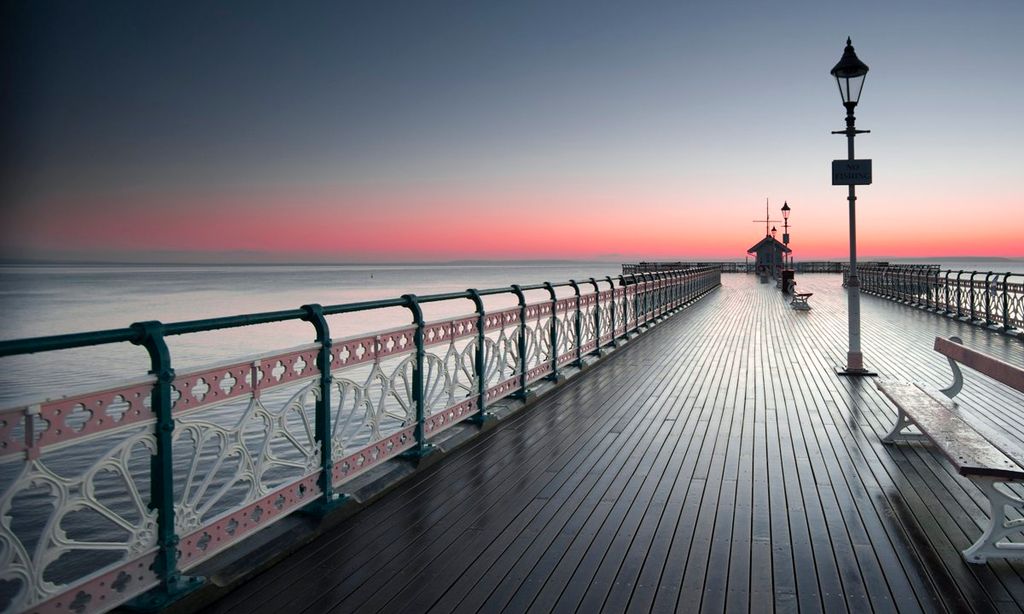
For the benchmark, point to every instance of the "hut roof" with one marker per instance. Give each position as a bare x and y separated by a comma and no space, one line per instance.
768,240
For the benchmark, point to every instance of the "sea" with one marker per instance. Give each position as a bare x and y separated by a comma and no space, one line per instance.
50,299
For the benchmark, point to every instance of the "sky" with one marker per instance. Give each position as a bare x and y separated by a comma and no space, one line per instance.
398,131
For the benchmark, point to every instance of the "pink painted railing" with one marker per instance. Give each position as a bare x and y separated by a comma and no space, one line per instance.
169,470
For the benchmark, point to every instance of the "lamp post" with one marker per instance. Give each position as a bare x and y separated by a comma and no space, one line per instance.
785,232
850,73
775,273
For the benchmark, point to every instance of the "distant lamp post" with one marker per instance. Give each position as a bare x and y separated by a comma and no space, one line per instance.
850,73
785,230
774,266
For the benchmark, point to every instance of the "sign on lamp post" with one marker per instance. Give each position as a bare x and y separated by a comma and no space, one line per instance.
851,172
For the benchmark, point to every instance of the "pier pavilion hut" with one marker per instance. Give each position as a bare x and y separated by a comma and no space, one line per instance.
768,253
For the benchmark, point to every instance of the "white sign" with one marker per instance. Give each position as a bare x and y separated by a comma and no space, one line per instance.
851,172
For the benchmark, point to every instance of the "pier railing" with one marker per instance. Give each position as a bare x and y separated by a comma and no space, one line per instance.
803,266
121,490
988,298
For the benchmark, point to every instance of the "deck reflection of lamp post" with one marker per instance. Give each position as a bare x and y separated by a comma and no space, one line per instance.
850,73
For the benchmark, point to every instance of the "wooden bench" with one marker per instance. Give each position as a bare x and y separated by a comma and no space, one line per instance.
799,301
987,459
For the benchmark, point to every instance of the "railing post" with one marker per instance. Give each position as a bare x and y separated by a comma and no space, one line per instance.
656,294
555,375
614,308
480,363
522,393
641,299
150,335
1006,302
973,273
578,322
662,293
625,305
958,293
422,448
666,292
322,428
659,295
947,307
988,299
638,300
647,295
597,316
927,289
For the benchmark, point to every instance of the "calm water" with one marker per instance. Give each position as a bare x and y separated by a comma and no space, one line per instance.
46,300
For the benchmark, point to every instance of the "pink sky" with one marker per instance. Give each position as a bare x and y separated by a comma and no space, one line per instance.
397,225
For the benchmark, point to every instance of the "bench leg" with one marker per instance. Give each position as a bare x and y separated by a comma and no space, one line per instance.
999,527
898,432
958,377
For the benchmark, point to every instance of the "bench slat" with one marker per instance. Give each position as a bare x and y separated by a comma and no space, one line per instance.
966,449
1004,372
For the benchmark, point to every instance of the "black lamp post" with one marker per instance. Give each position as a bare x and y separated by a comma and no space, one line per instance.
850,73
785,230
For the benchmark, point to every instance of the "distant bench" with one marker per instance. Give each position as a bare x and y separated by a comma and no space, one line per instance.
799,301
986,459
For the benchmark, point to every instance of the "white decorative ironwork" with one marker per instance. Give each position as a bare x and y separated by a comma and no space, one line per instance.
75,514
229,459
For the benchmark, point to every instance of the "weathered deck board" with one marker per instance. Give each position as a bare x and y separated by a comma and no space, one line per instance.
717,464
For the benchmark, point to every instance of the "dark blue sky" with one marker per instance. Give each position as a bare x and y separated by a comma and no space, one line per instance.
666,100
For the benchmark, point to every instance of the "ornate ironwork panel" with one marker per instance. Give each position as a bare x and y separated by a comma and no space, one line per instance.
76,531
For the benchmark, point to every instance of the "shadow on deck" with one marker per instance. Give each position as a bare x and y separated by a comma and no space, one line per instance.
716,464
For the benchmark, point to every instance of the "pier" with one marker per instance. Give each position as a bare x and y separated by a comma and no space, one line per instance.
718,464
713,463
730,266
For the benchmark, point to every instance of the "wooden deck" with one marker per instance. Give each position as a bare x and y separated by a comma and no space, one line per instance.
717,464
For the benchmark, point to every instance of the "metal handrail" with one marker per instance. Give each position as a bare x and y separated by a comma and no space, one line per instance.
174,538
944,291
